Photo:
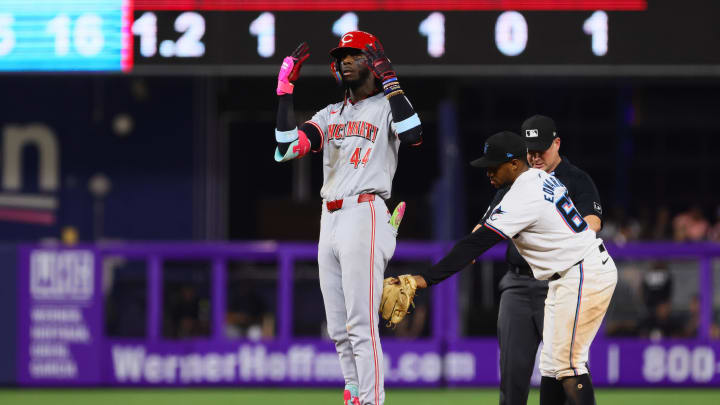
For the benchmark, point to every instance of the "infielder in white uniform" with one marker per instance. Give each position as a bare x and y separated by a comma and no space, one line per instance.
359,138
539,217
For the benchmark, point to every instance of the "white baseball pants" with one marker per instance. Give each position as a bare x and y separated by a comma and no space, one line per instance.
356,243
574,309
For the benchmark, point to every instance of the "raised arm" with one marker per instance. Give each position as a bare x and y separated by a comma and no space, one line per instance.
407,122
293,143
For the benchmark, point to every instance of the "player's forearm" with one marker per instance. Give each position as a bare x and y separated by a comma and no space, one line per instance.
293,143
461,255
285,113
309,131
407,122
594,222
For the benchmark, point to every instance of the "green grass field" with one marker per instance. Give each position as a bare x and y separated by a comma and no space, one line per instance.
321,397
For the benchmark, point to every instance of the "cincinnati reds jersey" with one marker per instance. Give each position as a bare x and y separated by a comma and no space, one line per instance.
360,148
541,220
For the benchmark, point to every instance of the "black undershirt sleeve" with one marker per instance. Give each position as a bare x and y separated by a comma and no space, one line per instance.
286,122
401,110
464,251
285,113
313,135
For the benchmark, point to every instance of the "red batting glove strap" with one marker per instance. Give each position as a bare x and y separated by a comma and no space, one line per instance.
284,88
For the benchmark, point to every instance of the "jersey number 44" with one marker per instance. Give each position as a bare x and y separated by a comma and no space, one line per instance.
355,158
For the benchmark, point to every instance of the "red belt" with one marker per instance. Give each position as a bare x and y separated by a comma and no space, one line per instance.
337,204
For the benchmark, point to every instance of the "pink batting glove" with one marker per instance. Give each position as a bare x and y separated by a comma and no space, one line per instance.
284,86
290,69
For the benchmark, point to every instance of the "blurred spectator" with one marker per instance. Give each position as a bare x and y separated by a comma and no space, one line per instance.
657,285
661,226
619,227
661,323
247,314
610,226
693,319
188,314
625,310
657,289
690,226
715,327
714,232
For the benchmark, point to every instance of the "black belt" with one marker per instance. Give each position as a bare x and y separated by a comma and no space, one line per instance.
556,276
521,270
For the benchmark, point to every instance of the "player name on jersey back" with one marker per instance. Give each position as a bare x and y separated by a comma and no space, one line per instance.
541,220
360,148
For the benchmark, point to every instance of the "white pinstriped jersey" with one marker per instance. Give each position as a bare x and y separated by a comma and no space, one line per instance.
541,220
360,148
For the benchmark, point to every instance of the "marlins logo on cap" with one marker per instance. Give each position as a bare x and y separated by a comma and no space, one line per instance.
500,148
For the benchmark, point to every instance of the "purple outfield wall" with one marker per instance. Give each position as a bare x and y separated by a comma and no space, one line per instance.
61,340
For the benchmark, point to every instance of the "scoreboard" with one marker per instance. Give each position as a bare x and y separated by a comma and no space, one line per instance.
65,35
423,37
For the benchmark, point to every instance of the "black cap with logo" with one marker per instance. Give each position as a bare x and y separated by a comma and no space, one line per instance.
500,148
539,132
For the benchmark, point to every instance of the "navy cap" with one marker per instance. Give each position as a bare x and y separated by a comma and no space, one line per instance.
539,132
500,148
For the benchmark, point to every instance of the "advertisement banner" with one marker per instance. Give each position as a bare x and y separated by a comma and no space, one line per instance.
670,363
246,363
59,318
407,363
617,362
61,341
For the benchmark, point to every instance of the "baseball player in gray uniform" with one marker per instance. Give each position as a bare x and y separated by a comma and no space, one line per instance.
539,217
359,138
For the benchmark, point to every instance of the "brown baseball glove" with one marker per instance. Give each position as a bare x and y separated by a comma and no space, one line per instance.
397,298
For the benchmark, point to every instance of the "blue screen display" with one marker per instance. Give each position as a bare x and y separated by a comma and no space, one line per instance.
65,35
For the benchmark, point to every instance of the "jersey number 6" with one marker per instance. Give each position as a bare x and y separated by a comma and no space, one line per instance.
570,214
355,158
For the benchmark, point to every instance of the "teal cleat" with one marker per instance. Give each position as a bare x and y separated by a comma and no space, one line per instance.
350,396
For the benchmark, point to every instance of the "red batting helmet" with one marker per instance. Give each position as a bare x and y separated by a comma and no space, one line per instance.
353,40
350,40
